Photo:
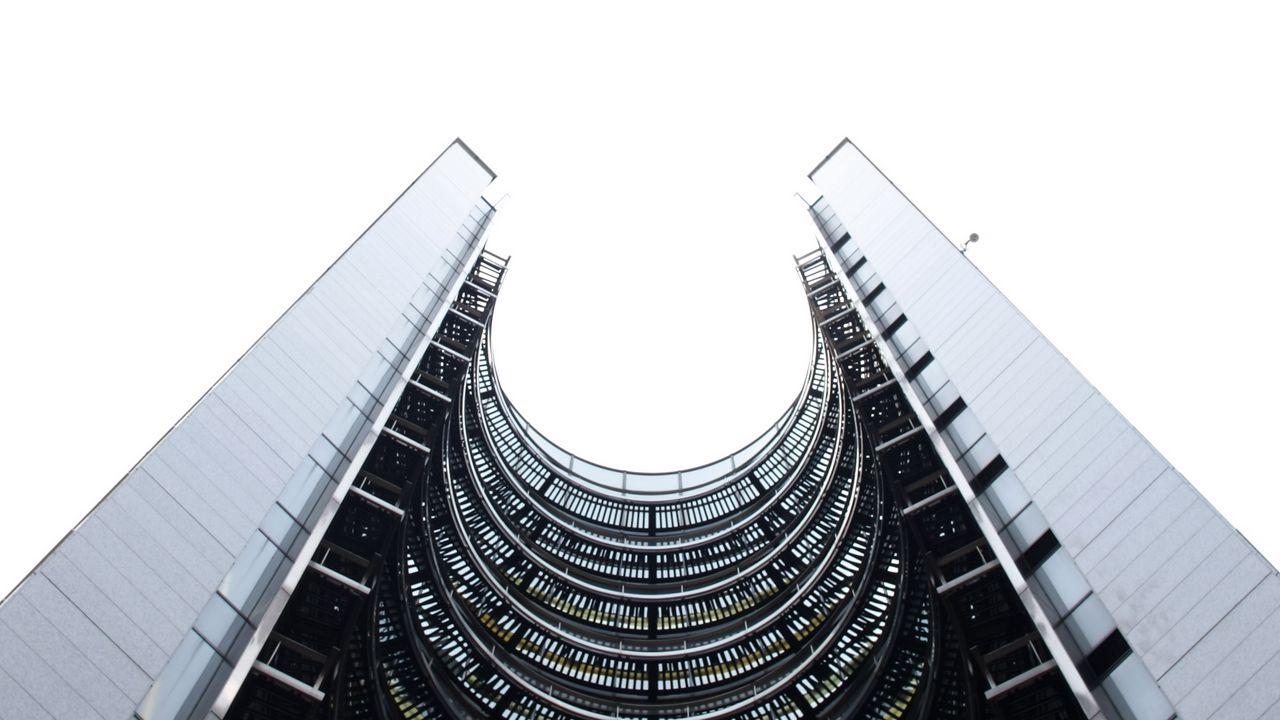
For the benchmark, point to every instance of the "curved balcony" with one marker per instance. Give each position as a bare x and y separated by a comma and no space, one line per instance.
594,676
480,646
678,486
792,579
687,516
527,611
654,566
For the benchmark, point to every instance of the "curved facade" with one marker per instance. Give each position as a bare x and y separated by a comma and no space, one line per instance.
799,577
354,522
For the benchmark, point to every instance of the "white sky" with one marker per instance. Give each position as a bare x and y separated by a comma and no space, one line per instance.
173,176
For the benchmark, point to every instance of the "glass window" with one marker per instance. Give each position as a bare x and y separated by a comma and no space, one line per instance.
1136,695
881,304
346,426
978,456
1063,585
903,339
916,350
964,431
1026,528
282,530
219,624
929,380
304,491
1006,497
191,669
1089,624
943,397
252,574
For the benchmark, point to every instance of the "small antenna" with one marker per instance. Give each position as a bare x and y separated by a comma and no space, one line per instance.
973,238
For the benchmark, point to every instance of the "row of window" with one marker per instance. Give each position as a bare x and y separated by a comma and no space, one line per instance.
1084,625
571,496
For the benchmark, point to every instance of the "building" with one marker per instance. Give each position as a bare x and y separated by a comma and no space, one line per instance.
355,522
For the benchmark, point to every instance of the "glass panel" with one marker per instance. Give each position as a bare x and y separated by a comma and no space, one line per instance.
903,339
302,495
347,425
247,582
1026,528
944,396
978,456
179,687
964,431
1136,695
1090,624
282,530
929,380
1062,582
1007,497
219,624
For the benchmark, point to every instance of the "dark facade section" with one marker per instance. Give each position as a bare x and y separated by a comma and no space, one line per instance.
990,632
831,573
304,664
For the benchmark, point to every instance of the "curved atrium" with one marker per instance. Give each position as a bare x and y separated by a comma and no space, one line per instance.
828,569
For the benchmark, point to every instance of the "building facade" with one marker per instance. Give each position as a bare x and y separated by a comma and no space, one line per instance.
355,522
1158,601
